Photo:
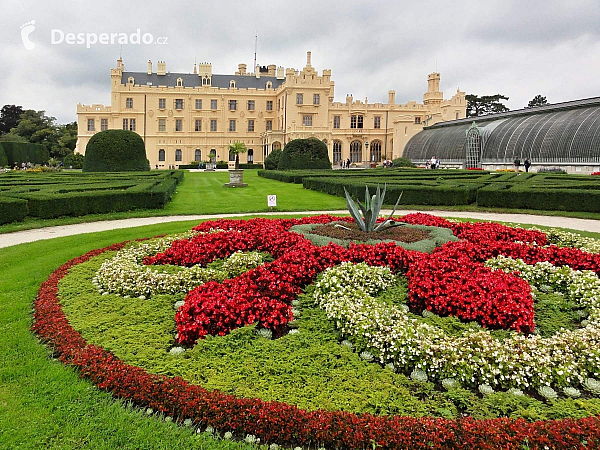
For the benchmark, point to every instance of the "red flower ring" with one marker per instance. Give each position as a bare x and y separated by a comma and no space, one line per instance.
298,263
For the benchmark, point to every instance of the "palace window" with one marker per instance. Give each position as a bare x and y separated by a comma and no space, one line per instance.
316,99
269,105
250,156
269,125
250,105
377,122
355,151
337,152
131,124
179,82
130,80
198,125
125,124
162,125
129,102
299,99
375,150
161,155
231,156
232,105
178,125
417,120
206,80
213,124
232,125
198,103
91,125
457,115
213,104
232,84
336,121
250,124
178,155
198,155
103,124
162,103
269,85
356,121
307,121
178,103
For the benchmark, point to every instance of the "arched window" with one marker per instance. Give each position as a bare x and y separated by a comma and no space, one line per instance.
130,80
337,151
197,155
250,156
213,155
231,156
473,146
206,81
232,84
178,156
276,145
179,82
356,151
269,85
375,155
161,155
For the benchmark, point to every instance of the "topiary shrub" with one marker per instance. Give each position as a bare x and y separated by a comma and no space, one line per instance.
25,152
3,158
272,160
304,154
74,161
403,162
115,151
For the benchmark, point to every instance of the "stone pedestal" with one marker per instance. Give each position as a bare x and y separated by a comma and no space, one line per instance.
236,178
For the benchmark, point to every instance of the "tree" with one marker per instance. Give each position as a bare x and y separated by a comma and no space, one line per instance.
236,148
486,104
9,117
37,128
66,140
538,100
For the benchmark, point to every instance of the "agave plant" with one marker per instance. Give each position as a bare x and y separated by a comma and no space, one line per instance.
366,215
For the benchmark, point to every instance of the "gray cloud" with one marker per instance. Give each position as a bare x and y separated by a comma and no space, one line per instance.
519,49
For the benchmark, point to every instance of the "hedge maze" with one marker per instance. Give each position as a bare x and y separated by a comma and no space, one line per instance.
49,195
457,187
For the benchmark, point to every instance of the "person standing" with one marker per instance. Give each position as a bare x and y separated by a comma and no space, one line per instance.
527,164
517,164
348,163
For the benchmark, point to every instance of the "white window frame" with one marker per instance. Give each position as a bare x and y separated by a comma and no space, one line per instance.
307,120
91,122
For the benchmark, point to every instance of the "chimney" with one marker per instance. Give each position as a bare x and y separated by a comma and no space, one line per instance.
308,59
242,69
149,67
195,69
349,99
280,73
257,72
391,97
161,68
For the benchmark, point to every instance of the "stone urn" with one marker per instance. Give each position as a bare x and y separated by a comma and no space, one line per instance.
236,178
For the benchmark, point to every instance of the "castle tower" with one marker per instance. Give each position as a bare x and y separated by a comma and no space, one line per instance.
433,96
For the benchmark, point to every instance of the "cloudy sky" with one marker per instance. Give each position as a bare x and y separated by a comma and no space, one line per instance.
516,48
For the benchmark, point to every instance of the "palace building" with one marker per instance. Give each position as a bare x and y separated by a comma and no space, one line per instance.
186,117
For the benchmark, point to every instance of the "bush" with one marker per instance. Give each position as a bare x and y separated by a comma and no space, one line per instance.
272,160
115,151
304,154
403,162
74,161
12,209
3,159
23,152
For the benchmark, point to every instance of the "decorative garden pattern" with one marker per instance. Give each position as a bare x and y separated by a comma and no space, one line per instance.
464,327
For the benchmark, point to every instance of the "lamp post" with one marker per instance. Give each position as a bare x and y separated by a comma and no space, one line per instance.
367,150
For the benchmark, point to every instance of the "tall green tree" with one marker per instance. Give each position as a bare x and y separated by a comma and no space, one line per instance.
66,140
538,100
9,117
486,104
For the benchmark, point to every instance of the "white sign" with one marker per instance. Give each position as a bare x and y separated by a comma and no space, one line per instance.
271,200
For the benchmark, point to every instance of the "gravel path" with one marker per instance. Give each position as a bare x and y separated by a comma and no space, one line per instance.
22,237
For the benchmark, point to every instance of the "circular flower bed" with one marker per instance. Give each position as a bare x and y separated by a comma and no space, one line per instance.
459,279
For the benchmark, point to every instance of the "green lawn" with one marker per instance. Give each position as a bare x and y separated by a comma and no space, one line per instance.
205,193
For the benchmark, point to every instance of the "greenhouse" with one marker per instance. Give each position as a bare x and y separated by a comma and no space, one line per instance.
565,135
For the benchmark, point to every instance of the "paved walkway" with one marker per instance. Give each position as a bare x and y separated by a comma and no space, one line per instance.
22,237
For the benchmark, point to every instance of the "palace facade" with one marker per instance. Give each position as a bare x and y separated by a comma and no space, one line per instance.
184,117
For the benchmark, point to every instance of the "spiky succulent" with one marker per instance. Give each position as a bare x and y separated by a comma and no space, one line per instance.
367,356
265,333
366,215
547,392
515,391
418,375
450,383
572,392
592,385
486,389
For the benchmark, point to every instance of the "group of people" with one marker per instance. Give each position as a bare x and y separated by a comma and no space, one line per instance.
345,164
24,166
517,164
388,163
433,163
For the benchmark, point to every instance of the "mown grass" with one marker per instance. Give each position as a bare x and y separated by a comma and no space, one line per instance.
204,193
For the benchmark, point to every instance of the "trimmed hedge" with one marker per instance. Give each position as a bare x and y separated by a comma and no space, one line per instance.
3,158
304,154
411,194
76,194
272,160
12,209
115,151
24,152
